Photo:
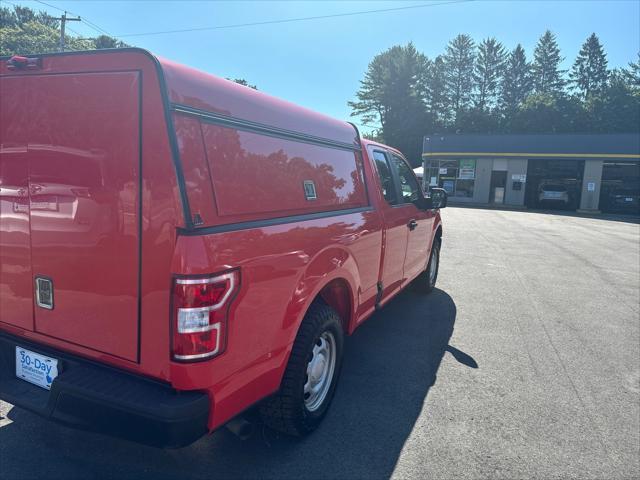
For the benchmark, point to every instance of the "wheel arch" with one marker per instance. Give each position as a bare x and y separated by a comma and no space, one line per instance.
438,234
338,294
332,276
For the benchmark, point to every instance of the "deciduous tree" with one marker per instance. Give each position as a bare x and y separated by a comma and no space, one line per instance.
24,31
242,81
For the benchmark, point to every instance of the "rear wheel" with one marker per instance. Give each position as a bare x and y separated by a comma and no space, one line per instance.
426,281
311,375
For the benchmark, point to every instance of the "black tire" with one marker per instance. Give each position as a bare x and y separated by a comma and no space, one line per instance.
286,411
426,281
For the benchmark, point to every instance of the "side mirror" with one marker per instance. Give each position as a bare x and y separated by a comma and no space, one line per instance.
438,198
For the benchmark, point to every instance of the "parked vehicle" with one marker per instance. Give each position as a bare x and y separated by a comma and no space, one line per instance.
176,248
620,198
553,193
625,202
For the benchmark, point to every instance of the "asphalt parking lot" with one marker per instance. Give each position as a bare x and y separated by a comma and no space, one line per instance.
525,363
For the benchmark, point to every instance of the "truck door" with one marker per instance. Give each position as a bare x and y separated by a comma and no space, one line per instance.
16,287
82,154
420,222
396,232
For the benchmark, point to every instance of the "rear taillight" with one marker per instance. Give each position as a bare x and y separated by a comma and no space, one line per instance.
200,315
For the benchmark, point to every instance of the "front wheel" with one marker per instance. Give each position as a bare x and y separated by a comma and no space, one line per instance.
311,375
426,281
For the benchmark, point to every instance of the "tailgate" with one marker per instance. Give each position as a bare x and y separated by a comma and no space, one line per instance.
70,208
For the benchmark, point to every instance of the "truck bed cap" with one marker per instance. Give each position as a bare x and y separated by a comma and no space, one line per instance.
193,88
198,90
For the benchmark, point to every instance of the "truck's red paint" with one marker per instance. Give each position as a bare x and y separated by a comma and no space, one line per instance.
118,173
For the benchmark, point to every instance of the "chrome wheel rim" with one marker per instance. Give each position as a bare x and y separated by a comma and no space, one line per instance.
433,267
320,371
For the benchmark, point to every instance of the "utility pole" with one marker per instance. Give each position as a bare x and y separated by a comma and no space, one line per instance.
64,19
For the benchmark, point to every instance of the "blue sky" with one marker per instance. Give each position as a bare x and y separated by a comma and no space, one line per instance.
319,63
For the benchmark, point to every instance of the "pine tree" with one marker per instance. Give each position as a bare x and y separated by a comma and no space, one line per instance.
458,70
547,75
438,102
631,75
390,97
589,74
516,82
489,67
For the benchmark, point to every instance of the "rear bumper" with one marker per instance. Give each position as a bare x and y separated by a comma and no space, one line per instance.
95,397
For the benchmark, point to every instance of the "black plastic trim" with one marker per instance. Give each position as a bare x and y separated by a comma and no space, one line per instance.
173,142
268,222
140,211
255,127
360,155
92,396
394,176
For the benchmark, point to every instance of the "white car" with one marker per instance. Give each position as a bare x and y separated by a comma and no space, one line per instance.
553,193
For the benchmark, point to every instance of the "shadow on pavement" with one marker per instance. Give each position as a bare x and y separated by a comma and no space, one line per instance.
390,364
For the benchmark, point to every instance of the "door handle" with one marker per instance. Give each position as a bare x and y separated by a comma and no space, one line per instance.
412,225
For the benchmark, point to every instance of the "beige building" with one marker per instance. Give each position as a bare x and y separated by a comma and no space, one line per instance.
568,172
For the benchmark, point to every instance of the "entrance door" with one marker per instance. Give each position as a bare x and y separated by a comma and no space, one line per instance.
498,186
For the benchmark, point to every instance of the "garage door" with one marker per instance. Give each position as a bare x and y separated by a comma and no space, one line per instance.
620,190
554,184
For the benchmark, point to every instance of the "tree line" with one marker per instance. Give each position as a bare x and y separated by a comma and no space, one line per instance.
24,31
484,88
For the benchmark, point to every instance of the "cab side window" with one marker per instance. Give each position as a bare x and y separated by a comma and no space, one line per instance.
408,183
386,179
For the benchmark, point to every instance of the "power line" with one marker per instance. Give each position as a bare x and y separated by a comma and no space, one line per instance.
97,28
84,19
63,22
291,20
89,23
66,47
73,31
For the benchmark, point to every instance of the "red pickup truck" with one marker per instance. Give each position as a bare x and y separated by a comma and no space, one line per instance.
176,248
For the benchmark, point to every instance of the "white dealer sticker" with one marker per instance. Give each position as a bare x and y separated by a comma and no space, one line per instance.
36,368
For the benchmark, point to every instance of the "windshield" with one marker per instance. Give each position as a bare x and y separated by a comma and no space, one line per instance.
554,188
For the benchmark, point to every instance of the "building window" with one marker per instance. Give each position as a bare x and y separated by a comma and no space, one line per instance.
456,177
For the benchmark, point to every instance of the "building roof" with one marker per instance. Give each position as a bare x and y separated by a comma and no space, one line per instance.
620,146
